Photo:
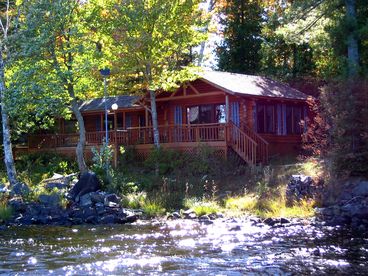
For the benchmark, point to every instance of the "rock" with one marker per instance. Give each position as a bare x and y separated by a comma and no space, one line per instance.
55,185
19,189
284,221
85,200
112,198
3,188
235,228
270,221
191,216
49,200
87,183
361,189
108,219
17,205
131,218
97,197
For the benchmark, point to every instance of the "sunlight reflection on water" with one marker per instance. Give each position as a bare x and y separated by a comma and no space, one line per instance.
182,247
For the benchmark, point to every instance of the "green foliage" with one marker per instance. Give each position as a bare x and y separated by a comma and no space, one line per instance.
202,207
35,167
6,212
102,164
155,38
239,51
200,162
345,108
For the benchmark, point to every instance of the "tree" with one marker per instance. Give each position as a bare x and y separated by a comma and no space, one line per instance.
9,23
58,41
152,39
239,51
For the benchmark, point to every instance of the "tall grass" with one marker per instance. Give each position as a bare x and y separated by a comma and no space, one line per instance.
6,212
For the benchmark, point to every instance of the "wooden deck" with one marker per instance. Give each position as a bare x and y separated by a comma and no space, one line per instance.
248,145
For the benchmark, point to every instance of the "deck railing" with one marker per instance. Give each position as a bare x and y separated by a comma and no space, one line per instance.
249,145
135,135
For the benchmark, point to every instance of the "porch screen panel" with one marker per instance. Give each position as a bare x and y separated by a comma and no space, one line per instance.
98,123
235,113
255,123
279,119
178,115
178,121
305,118
284,129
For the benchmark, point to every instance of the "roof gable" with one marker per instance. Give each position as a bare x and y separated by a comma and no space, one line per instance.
98,104
251,85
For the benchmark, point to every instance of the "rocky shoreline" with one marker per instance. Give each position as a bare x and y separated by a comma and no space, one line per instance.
92,206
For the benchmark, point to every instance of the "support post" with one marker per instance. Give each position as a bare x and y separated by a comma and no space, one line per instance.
227,108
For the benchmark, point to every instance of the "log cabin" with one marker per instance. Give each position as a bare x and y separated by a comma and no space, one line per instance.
253,116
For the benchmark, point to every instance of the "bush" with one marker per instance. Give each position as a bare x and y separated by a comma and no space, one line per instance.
35,167
102,159
6,212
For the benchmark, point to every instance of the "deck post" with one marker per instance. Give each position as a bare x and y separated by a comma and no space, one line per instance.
227,108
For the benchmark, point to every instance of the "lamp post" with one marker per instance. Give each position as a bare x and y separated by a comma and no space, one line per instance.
115,107
105,73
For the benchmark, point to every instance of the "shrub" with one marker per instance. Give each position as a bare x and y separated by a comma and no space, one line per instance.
35,167
6,212
202,207
102,159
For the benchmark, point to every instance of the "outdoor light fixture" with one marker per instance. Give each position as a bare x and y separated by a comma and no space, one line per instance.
105,73
114,107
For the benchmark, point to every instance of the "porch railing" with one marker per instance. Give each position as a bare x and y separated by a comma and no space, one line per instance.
134,135
250,146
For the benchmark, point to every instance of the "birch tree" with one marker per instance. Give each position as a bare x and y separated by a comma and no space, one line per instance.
8,22
60,41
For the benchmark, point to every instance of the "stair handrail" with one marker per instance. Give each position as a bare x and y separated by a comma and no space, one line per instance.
243,144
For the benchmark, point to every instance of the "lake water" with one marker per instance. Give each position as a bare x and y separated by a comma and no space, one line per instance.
182,247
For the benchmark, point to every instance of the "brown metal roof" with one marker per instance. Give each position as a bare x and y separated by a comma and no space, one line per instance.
251,85
98,104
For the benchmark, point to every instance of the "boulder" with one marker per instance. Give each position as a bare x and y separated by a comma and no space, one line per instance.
20,189
49,200
57,185
85,200
361,189
87,183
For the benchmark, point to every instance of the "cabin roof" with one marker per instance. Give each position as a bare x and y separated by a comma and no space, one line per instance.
251,85
98,104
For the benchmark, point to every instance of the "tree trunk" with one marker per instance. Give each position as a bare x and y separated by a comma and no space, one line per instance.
82,137
352,42
8,152
156,134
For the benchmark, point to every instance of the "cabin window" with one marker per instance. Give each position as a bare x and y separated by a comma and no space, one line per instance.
142,121
265,118
294,117
128,121
283,119
110,122
206,114
119,120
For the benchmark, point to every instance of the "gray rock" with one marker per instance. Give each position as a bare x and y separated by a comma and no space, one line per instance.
53,185
49,200
361,189
112,198
3,188
87,183
20,189
284,221
270,221
17,205
108,219
85,200
97,197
